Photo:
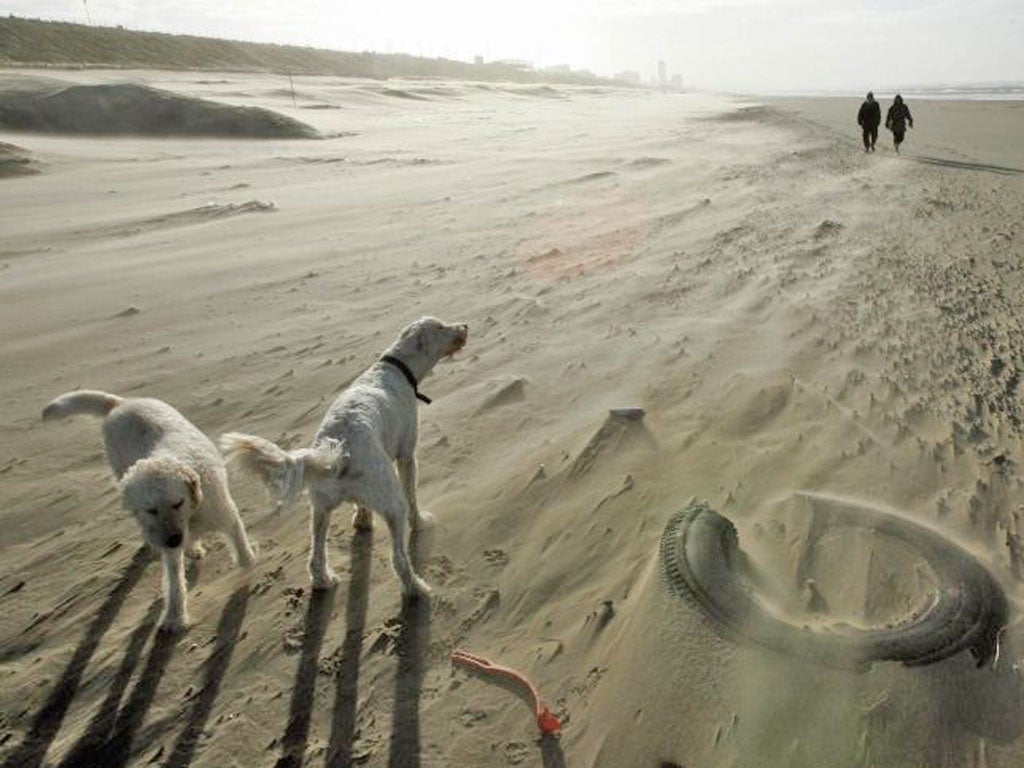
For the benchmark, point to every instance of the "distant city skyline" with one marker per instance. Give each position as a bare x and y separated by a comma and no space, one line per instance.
742,45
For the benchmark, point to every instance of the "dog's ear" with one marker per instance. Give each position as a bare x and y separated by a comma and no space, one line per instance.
414,332
195,487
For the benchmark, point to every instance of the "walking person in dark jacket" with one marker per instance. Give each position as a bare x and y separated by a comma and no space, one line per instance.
897,119
868,118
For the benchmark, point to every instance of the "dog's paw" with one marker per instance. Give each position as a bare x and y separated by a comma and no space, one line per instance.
417,589
327,580
174,625
246,558
196,551
423,519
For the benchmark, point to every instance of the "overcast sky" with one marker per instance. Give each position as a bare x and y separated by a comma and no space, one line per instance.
748,45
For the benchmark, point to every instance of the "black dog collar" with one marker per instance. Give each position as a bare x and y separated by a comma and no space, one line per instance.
408,377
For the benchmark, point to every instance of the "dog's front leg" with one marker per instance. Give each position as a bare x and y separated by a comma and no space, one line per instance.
175,616
407,473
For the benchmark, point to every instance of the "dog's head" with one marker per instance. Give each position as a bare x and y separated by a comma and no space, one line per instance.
429,339
162,494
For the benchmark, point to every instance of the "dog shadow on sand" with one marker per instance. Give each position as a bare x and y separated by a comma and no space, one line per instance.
341,744
108,738
412,647
48,720
216,665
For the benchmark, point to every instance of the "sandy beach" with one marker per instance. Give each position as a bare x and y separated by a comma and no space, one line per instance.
792,315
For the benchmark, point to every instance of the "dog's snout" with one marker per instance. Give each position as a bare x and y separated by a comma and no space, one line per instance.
174,540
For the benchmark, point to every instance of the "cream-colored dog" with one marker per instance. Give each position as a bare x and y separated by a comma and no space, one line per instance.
372,425
172,480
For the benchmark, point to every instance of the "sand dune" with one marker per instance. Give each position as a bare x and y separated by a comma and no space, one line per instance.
130,108
15,161
669,297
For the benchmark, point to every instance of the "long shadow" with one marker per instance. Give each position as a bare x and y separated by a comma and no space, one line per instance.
47,722
296,734
119,747
967,166
551,751
411,645
228,629
91,746
343,721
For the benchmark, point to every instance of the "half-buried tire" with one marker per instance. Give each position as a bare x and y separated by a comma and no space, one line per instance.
701,560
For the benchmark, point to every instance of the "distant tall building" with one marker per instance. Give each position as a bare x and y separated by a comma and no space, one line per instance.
677,82
478,60
662,73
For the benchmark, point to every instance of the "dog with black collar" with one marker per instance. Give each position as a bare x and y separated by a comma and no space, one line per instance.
371,427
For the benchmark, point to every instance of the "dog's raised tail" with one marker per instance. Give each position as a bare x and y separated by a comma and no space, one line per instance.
89,401
284,473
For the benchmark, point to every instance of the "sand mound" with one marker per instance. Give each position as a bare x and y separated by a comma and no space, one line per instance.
622,430
649,162
198,215
511,391
749,114
536,91
137,109
15,161
400,93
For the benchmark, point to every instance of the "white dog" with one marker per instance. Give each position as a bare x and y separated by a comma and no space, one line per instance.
372,424
172,480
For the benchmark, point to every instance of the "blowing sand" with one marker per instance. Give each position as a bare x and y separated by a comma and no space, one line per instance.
791,314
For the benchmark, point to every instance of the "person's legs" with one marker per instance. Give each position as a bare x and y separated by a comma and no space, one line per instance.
866,136
897,137
874,137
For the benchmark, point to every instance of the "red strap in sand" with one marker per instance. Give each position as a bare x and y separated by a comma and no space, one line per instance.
546,721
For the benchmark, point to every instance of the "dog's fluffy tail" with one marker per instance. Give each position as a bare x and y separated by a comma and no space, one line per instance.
285,473
83,401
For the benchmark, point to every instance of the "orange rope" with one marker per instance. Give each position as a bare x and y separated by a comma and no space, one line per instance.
546,721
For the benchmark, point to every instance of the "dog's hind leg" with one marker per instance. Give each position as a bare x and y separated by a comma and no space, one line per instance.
223,514
234,529
412,585
175,616
407,474
320,572
389,501
245,555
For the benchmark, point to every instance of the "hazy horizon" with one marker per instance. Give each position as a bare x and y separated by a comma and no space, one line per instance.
746,45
